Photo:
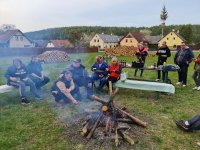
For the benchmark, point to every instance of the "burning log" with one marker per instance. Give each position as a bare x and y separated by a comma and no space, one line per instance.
128,121
94,127
136,120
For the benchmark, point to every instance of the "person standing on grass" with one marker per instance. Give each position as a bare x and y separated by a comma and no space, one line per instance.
17,76
196,74
183,58
65,89
141,54
163,53
100,69
36,73
114,70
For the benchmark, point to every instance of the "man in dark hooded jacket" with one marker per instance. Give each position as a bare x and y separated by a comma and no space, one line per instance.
17,76
182,58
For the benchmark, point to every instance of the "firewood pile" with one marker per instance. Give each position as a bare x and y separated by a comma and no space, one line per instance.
53,56
121,51
111,121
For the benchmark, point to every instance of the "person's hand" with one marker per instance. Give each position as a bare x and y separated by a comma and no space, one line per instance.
194,59
75,102
13,79
101,76
107,69
89,85
41,78
25,79
187,62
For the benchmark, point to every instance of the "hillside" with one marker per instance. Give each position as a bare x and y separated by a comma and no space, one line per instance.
189,32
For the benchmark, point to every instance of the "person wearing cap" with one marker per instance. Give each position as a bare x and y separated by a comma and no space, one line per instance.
17,76
65,89
100,69
80,76
36,73
183,58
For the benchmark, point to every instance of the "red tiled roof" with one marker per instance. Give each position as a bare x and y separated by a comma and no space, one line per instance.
60,43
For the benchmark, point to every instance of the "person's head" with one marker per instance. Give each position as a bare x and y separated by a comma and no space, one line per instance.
184,45
114,61
68,75
34,59
99,59
164,44
17,63
77,62
141,45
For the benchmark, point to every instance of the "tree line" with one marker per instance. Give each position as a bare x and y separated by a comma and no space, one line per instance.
190,32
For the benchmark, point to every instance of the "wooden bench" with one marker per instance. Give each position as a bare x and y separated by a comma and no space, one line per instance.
6,88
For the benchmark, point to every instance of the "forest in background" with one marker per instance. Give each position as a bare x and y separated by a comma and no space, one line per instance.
190,32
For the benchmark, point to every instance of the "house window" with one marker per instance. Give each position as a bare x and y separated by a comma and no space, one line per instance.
126,40
99,46
21,38
131,41
110,46
167,38
171,33
174,38
16,38
95,40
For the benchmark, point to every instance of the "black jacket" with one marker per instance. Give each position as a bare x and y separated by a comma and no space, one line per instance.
183,57
163,53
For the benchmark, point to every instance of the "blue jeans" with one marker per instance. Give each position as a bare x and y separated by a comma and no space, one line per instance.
84,82
39,83
194,123
22,86
102,82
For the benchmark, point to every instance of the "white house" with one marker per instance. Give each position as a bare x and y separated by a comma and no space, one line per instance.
15,39
103,41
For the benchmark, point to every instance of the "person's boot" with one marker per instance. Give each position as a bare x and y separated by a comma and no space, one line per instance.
24,100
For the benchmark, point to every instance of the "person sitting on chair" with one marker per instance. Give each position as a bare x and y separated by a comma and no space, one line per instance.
100,69
36,73
17,76
114,70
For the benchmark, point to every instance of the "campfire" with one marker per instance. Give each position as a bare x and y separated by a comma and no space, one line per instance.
111,121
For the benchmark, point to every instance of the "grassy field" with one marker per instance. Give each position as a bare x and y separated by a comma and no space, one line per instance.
37,126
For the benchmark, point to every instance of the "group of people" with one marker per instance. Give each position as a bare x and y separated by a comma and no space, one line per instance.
19,75
75,75
183,57
67,87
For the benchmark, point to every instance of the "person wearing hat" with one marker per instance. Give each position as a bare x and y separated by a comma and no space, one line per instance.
100,69
17,76
65,89
36,73
80,76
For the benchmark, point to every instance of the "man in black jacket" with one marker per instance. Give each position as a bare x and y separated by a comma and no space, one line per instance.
17,76
182,58
163,53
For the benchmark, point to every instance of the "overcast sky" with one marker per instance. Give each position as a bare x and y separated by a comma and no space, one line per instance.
31,15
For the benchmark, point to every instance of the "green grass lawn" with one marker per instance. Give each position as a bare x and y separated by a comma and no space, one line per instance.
37,126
